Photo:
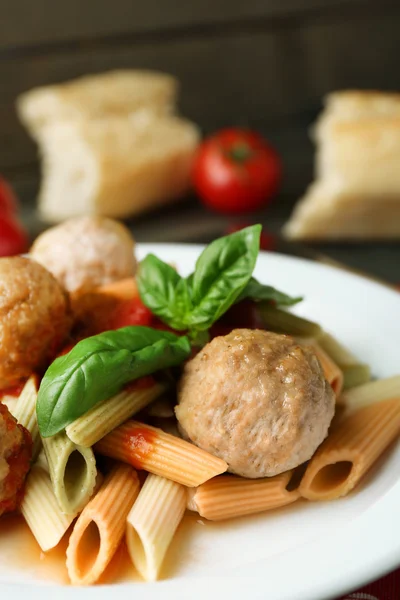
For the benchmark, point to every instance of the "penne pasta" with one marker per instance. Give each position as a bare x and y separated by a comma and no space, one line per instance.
41,511
350,450
10,401
332,373
151,449
228,496
92,309
25,412
354,372
369,393
124,289
101,526
41,461
105,416
283,321
72,471
152,523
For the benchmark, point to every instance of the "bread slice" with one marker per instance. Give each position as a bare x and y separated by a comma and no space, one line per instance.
357,190
116,167
323,215
114,93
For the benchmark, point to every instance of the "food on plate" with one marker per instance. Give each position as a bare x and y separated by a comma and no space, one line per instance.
356,194
258,400
109,307
108,462
236,171
86,252
227,496
15,455
106,514
114,93
162,501
352,448
150,449
24,410
34,318
40,508
116,167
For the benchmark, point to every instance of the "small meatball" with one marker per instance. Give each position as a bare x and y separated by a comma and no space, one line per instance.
15,456
86,252
34,318
256,399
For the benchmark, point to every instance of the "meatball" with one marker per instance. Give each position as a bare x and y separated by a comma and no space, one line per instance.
256,399
15,456
86,252
34,318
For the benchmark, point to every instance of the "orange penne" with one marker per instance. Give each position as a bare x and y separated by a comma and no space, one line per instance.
91,310
124,289
355,443
151,449
101,526
228,496
332,372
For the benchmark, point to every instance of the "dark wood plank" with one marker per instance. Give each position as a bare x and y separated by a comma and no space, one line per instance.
347,54
243,79
267,79
50,21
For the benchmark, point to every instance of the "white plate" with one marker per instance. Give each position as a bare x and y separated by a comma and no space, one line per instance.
309,551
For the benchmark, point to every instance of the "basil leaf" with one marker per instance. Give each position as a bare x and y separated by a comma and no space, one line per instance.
258,291
163,291
98,367
222,271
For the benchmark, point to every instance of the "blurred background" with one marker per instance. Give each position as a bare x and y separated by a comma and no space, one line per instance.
263,64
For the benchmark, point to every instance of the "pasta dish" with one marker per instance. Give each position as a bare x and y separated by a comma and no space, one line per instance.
131,394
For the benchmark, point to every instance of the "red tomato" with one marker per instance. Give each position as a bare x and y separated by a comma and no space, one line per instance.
130,312
268,241
8,200
13,239
236,171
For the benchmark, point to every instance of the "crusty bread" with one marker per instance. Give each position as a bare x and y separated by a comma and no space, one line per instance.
356,194
116,167
114,93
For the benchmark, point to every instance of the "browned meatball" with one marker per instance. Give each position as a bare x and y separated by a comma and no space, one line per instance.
86,252
256,399
15,456
34,318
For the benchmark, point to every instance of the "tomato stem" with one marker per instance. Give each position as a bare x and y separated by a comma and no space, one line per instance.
240,152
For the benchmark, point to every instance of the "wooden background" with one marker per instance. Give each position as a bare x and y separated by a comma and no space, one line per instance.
261,63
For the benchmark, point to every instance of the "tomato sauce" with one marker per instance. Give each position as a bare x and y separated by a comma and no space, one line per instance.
139,444
144,383
14,390
19,551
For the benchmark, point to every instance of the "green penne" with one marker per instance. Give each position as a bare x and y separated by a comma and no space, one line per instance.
282,321
371,393
354,372
72,471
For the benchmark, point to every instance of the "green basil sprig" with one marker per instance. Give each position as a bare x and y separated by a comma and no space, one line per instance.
98,367
222,276
194,303
258,291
